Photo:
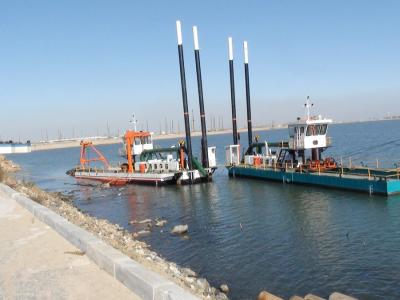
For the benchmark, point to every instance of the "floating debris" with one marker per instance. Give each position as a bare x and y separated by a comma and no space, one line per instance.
143,232
105,185
145,221
180,229
224,288
161,223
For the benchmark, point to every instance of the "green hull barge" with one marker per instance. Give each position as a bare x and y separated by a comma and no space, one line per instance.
300,160
372,181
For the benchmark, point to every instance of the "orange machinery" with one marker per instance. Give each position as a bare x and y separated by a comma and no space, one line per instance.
84,161
130,137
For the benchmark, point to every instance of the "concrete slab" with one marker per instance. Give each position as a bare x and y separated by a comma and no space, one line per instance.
26,202
6,189
139,279
105,256
172,291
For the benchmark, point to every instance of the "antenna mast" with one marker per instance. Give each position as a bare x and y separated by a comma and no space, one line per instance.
308,105
134,122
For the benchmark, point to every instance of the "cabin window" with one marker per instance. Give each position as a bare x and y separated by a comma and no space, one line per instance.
137,141
155,166
166,166
301,130
322,129
161,166
311,130
291,131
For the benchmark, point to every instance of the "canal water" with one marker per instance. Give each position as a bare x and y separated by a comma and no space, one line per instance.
255,235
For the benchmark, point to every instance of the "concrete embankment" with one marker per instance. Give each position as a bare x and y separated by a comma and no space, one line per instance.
37,263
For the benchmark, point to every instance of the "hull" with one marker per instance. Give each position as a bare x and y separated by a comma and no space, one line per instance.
373,185
124,178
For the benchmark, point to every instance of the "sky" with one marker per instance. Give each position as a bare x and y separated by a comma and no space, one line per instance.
82,68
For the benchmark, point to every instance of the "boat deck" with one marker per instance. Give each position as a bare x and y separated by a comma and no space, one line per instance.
372,181
120,177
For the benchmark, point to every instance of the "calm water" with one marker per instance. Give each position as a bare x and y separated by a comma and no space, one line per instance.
294,239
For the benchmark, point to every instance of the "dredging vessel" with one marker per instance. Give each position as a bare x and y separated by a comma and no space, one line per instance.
300,159
144,164
147,164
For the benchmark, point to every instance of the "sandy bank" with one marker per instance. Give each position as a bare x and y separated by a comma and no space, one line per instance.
117,140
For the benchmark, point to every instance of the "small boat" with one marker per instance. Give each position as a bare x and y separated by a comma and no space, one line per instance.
144,164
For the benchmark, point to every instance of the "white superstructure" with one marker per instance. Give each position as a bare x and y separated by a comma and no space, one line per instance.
309,134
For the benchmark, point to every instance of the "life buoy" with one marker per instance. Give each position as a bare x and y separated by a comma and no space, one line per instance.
314,165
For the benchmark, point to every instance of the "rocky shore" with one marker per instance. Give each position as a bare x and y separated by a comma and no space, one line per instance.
113,234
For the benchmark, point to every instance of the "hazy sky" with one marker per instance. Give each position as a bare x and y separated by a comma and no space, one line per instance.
73,66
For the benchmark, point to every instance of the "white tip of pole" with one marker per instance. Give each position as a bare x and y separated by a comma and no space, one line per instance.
246,53
195,38
230,46
179,32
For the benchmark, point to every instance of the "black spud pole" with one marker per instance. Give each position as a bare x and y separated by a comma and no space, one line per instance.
204,146
184,95
246,75
233,101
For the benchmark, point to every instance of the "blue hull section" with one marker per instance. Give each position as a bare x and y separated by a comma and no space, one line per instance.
355,183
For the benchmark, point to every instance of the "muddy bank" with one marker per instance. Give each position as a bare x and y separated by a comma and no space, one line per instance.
112,234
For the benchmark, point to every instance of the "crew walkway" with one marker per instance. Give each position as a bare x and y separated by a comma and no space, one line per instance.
37,263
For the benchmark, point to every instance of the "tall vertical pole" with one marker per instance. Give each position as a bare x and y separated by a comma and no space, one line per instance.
184,95
232,81
204,146
246,75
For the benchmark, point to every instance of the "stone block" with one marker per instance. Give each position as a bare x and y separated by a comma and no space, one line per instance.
339,296
312,297
173,292
138,279
264,295
75,235
7,190
25,202
105,256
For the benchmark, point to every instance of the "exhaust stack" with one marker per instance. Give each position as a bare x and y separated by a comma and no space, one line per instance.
246,74
232,82
204,146
184,95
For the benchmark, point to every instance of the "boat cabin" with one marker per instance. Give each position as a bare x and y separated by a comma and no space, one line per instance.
309,134
140,140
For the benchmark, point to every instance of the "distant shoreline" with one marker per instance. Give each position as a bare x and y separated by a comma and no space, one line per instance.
70,143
